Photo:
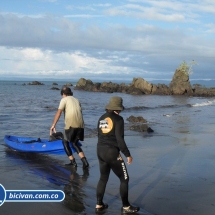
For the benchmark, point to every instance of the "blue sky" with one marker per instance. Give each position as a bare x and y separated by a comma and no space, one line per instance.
110,40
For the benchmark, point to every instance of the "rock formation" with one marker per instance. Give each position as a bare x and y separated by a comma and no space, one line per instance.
143,85
180,84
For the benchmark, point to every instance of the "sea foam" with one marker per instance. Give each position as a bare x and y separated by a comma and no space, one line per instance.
207,103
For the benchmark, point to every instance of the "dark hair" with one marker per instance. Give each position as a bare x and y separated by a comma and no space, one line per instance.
67,91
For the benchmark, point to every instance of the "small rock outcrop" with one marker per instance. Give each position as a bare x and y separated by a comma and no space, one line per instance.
55,88
139,124
69,84
35,83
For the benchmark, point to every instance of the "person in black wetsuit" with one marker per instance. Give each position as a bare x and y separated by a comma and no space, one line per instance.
110,143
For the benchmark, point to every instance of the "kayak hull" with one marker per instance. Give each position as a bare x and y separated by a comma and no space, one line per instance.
35,145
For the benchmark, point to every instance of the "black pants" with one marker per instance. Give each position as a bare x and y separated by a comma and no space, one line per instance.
109,159
74,145
73,135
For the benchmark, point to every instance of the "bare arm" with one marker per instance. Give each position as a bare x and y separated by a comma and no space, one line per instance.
56,118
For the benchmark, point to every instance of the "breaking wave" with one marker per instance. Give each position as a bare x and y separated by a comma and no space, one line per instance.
157,107
207,103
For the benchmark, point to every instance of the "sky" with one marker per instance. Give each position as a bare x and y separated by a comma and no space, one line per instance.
106,40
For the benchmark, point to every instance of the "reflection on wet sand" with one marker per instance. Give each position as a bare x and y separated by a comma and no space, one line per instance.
51,170
74,194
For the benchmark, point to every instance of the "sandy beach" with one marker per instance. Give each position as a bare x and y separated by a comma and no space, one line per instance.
168,176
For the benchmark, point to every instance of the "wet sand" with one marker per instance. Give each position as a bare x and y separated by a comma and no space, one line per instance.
175,176
168,176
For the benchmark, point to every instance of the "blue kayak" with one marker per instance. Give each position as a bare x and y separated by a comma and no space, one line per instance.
36,145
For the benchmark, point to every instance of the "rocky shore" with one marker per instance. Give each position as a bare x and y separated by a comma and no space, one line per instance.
180,85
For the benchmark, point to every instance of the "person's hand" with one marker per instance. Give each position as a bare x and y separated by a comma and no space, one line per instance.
52,129
129,160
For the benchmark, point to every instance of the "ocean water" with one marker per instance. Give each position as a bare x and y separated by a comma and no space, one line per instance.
29,111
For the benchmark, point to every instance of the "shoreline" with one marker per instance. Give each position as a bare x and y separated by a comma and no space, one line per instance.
118,81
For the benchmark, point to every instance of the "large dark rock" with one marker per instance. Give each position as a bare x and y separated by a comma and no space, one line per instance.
203,91
134,91
84,84
162,89
180,84
109,87
88,85
138,124
136,119
143,85
141,128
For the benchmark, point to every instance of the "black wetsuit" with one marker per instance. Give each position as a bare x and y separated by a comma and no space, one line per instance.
110,143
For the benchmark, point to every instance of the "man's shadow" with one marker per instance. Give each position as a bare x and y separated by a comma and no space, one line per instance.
53,171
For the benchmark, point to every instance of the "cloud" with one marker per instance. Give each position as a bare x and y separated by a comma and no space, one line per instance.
48,63
140,12
102,5
85,16
49,1
210,28
170,11
88,8
60,34
151,40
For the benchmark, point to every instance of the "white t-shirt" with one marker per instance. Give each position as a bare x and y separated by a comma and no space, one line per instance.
72,112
